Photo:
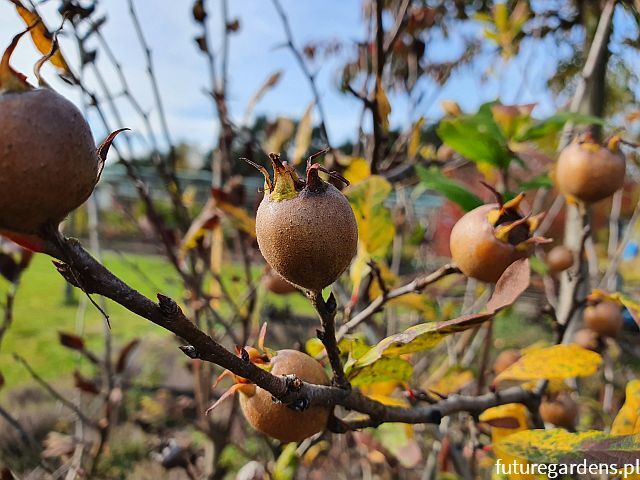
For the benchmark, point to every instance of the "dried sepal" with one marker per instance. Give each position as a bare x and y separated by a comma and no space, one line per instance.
11,80
103,149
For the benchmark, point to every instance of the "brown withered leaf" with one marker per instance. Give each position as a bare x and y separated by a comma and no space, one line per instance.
271,81
125,353
84,384
233,25
71,341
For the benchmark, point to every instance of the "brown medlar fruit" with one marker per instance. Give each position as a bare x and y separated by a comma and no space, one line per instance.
604,318
559,259
280,421
561,411
589,171
306,229
486,240
505,359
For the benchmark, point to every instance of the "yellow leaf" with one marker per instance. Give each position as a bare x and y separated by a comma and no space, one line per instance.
557,362
389,400
42,38
627,422
511,411
380,388
357,171
282,133
303,135
418,302
314,346
451,108
384,107
271,81
239,217
375,227
452,382
414,138
207,219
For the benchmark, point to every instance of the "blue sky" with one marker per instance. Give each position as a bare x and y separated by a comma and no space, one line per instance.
182,71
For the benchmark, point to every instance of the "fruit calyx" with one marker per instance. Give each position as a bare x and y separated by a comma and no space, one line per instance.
259,356
511,227
10,79
286,184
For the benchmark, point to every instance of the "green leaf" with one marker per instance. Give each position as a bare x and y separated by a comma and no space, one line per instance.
555,123
285,466
476,137
434,179
541,181
383,370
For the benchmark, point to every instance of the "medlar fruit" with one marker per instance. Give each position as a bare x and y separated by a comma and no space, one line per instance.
559,259
486,240
306,229
561,411
589,171
505,359
604,318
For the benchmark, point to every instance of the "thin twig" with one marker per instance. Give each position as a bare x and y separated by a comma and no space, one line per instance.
305,70
415,285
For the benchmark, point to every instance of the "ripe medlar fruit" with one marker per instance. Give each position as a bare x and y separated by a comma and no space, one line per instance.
48,159
559,259
280,421
486,240
306,229
589,171
505,359
604,318
561,411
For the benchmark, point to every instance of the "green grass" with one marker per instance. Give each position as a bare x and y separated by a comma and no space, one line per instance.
40,312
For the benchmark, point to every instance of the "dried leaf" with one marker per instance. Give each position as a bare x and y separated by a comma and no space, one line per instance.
514,281
42,38
85,385
303,135
239,216
282,133
271,81
126,351
207,219
383,105
556,362
71,341
414,138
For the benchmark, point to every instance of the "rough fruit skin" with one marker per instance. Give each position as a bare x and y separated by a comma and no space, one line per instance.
475,249
310,239
561,411
559,259
277,420
505,359
589,174
604,318
48,160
